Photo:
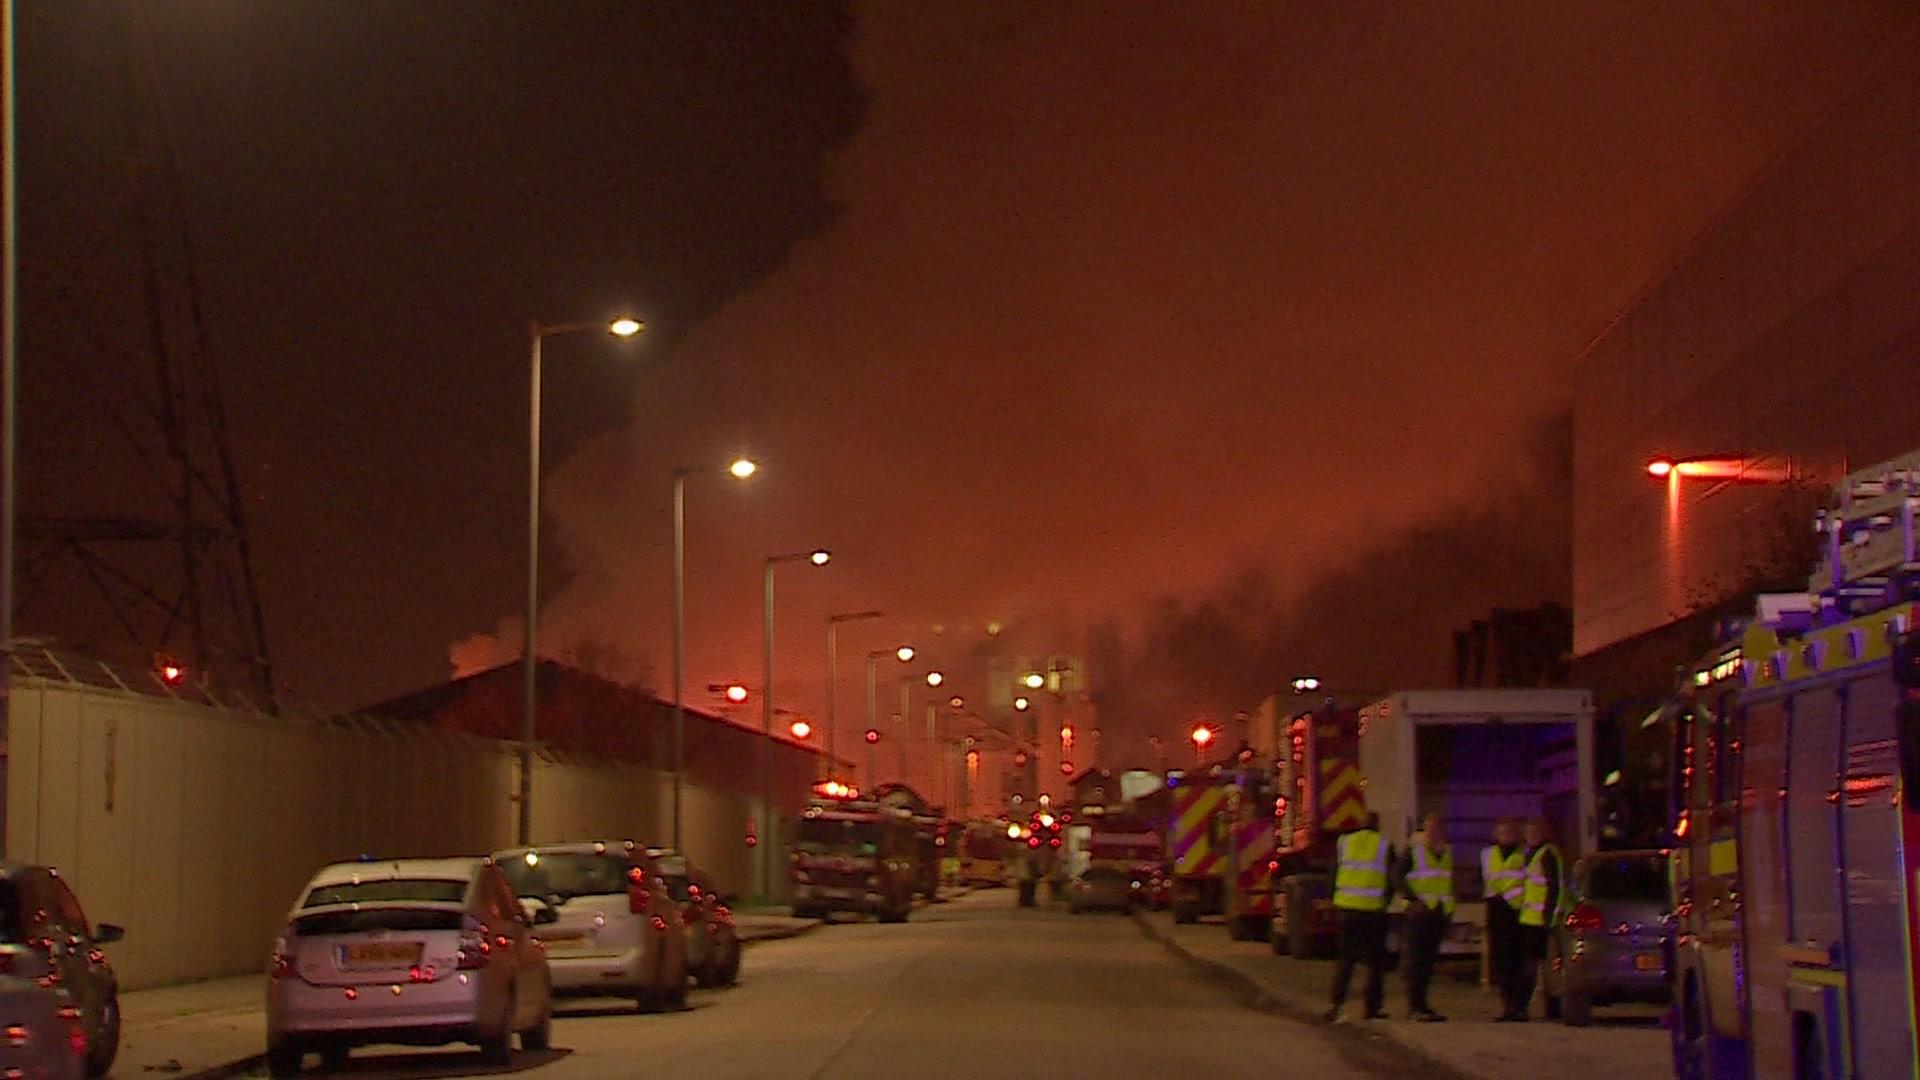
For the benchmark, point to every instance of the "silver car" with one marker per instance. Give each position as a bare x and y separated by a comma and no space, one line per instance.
1612,947
41,1031
713,946
414,951
617,930
40,914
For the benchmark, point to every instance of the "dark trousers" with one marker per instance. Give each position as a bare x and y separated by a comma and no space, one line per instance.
1363,940
1424,932
1503,948
1533,953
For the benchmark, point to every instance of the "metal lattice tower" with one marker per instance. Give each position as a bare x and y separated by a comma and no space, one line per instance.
164,567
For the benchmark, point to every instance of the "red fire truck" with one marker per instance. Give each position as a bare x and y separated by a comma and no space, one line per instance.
1221,834
853,854
1796,745
1320,796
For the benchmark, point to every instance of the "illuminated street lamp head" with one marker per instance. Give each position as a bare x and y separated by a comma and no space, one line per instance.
1305,683
1020,704
1202,735
904,653
800,729
736,693
1659,467
742,468
957,701
821,557
934,678
625,327
1035,681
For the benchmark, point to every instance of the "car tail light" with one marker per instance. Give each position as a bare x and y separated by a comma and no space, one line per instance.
638,898
1585,917
659,924
474,946
17,1035
77,1040
282,961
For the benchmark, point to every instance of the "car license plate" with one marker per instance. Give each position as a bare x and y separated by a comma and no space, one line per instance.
1647,961
380,954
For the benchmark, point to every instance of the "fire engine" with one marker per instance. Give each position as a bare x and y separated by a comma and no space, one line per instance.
1796,743
1320,796
1221,834
930,832
853,854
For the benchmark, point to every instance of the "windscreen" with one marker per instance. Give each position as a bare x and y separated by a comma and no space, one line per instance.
1628,879
391,890
824,835
568,874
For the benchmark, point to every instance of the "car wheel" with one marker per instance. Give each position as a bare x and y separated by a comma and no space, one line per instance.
497,1048
283,1061
334,1057
1576,1010
676,992
731,973
540,1035
104,1047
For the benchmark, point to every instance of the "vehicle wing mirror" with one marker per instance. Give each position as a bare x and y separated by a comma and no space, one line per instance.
107,933
537,912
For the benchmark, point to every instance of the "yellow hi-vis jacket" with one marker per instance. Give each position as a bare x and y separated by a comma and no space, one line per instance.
1533,899
1360,881
1430,875
1504,875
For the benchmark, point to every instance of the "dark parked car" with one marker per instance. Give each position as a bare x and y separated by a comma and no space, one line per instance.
1612,948
1101,888
38,911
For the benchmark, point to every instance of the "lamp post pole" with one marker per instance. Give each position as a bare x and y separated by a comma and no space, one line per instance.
536,333
768,820
833,676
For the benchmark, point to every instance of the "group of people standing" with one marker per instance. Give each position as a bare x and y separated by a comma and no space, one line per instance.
1525,889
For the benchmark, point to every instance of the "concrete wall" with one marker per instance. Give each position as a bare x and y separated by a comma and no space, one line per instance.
195,826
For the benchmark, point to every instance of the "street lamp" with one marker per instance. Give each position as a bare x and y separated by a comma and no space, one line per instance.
833,672
1305,684
934,678
1035,680
1021,704
902,653
801,729
739,469
537,332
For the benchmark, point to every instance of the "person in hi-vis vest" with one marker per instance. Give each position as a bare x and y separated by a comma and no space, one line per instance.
1362,859
1425,876
1503,870
1543,903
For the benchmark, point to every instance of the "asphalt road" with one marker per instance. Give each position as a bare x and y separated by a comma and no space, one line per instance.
972,988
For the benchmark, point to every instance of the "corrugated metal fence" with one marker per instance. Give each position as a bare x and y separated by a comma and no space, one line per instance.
194,822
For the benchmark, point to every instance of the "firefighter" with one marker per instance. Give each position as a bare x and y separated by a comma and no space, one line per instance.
1503,869
1360,899
1542,896
1426,875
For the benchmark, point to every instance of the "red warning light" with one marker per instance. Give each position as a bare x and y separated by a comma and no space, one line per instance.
872,736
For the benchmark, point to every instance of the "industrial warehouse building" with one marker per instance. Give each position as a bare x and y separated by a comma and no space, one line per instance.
1781,350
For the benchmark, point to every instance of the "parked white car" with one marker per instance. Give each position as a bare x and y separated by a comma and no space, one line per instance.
415,951
618,930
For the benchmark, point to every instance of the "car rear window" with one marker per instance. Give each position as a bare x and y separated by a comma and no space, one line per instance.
568,874
431,890
355,922
1627,879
